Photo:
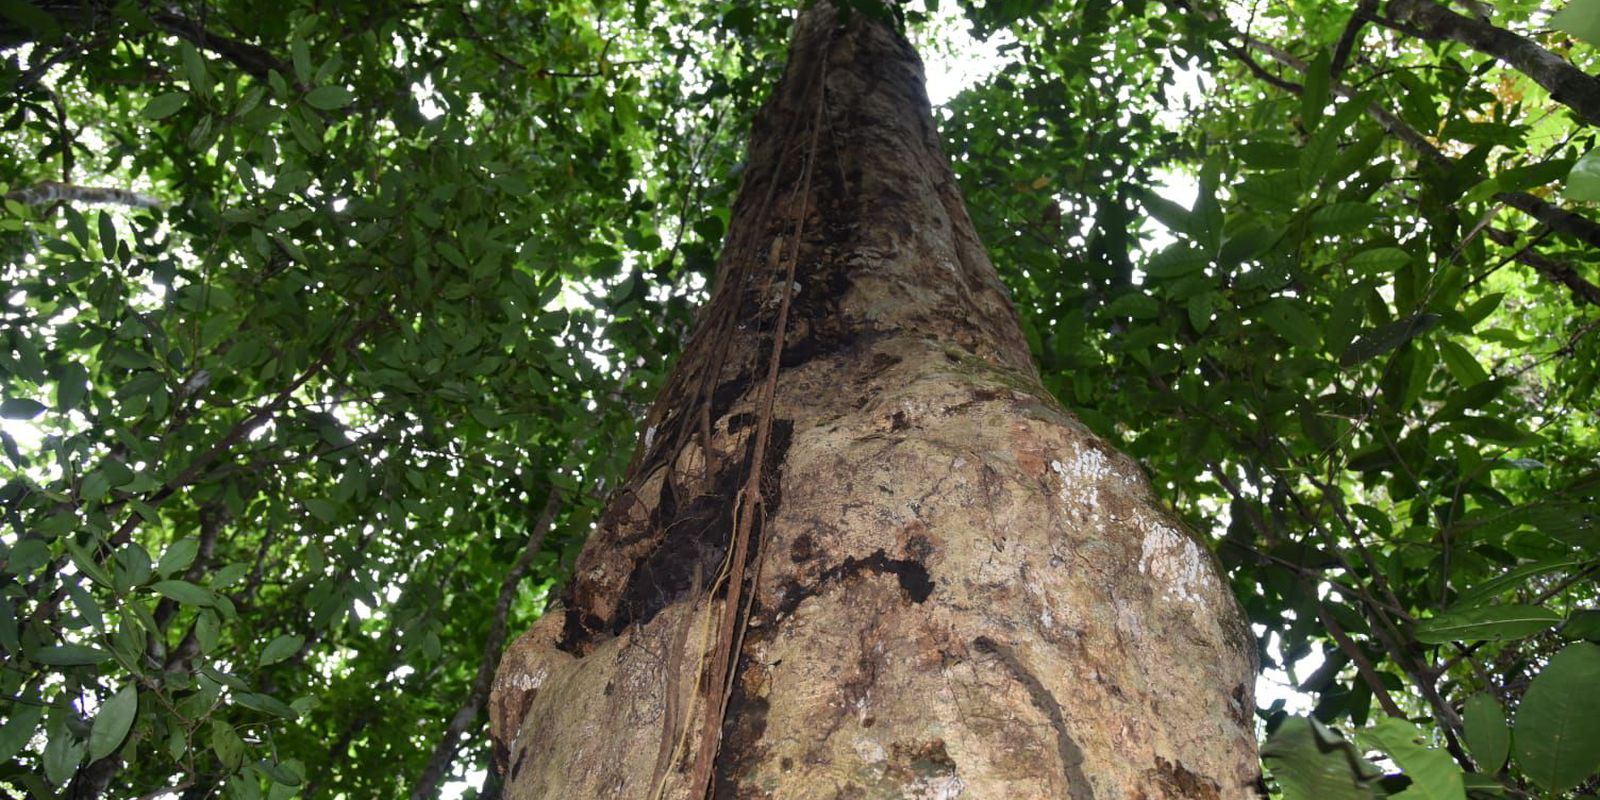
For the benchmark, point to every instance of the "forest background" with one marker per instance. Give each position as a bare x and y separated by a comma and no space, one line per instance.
327,327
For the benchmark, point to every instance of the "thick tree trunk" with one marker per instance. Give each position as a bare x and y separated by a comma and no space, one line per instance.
936,584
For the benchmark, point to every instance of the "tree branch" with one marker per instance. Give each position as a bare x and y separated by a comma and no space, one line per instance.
444,752
1560,272
46,192
1566,83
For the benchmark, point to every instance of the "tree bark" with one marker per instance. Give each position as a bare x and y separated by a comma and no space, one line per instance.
861,552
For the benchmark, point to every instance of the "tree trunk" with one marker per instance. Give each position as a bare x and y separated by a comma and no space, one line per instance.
861,552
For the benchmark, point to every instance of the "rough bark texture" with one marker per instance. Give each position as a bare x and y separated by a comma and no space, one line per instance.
952,589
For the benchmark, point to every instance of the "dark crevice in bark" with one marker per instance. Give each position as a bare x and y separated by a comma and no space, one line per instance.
1071,756
911,573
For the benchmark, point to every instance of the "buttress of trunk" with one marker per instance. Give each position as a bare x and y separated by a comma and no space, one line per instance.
938,584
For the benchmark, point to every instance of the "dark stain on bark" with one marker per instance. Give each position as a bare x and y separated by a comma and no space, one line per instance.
1078,787
1178,781
911,573
742,731
690,537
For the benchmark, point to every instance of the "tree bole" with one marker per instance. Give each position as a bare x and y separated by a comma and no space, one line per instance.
951,588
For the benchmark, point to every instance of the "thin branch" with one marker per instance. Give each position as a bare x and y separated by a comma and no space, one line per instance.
1364,13
1560,272
47,192
444,752
1566,83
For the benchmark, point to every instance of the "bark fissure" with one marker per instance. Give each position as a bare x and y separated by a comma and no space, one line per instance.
1066,749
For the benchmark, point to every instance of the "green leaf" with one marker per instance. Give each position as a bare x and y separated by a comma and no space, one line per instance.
1583,182
184,592
1176,218
69,655
1378,261
71,387
277,773
1556,738
230,749
178,556
164,105
1486,623
22,720
62,755
1294,325
1314,96
1176,261
1583,624
1488,735
328,98
194,69
21,408
1463,367
322,509
1311,761
281,648
1434,776
266,704
1488,590
1581,19
112,722
1337,219
31,17
1376,341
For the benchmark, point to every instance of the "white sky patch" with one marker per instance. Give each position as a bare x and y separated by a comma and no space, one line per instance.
954,60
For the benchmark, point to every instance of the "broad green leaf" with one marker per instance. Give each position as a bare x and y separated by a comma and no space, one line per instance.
1486,623
194,69
1583,182
322,509
62,755
277,773
1377,341
1378,261
1285,317
1176,261
328,98
1310,761
281,648
112,722
266,704
1342,218
230,749
1314,95
1556,735
1582,624
1488,590
21,408
1434,776
164,105
184,592
22,719
1581,18
178,556
69,655
1488,735
1463,367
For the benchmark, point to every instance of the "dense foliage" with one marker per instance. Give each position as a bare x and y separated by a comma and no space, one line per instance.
326,327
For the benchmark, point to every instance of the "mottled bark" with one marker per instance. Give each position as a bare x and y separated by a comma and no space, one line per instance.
950,587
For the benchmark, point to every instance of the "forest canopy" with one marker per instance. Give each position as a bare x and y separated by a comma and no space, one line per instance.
327,328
